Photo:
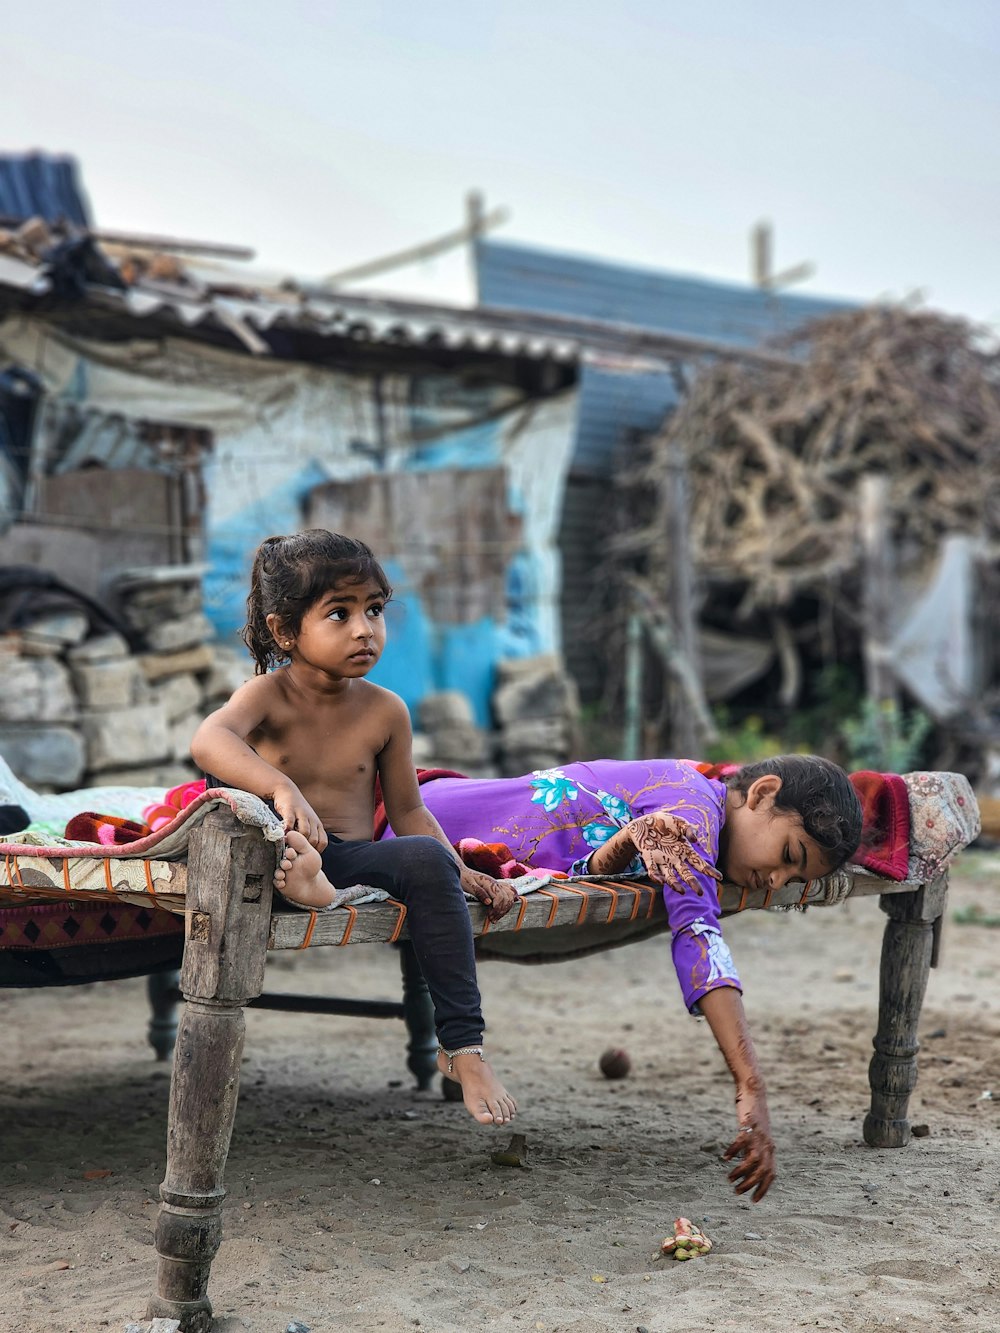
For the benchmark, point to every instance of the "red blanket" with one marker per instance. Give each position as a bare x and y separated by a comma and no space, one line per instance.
885,833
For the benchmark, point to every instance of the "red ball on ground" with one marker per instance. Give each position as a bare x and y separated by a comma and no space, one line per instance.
615,1063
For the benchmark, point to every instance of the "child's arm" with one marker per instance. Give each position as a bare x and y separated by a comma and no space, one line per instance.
219,747
723,1007
409,816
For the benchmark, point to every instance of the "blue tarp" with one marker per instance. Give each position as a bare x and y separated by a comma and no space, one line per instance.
39,185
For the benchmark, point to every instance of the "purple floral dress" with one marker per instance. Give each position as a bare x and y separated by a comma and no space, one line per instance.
554,818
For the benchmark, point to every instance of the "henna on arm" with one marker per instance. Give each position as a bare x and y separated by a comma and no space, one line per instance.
753,1145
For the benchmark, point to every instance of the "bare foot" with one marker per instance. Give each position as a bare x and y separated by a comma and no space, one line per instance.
486,1099
299,875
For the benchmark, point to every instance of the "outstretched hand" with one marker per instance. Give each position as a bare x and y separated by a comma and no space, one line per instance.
664,841
753,1146
496,894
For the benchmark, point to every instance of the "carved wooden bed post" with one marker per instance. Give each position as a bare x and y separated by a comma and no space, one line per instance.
909,950
228,916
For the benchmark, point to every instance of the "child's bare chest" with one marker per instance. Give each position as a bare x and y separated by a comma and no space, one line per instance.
330,750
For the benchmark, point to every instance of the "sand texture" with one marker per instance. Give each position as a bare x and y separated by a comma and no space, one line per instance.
356,1204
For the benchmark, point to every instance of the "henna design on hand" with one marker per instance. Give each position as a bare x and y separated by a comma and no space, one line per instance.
664,843
494,894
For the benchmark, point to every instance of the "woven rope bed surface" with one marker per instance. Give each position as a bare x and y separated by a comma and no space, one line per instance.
153,874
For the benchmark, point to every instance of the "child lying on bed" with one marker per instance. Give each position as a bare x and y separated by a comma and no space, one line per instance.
781,820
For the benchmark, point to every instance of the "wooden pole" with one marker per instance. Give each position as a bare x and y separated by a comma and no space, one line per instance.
475,219
760,254
631,743
373,268
686,734
880,681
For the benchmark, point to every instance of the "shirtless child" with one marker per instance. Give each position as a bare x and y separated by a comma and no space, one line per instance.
311,737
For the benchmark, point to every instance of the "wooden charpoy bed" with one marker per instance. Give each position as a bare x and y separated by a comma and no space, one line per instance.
213,868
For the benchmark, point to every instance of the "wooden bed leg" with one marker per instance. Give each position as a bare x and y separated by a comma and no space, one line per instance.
228,917
908,950
162,1031
418,1013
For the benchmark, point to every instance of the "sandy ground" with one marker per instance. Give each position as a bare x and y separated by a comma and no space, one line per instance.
355,1203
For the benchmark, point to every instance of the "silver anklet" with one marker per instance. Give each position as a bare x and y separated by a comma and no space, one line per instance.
462,1050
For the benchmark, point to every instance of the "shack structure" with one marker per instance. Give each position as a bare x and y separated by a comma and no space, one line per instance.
174,413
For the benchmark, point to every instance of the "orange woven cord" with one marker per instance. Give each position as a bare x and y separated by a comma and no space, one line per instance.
607,888
583,905
65,873
149,883
654,893
15,874
636,901
107,877
399,923
805,893
350,925
486,925
743,899
309,931
547,893
768,896
520,912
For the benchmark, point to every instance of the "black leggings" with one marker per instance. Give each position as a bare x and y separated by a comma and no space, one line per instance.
421,872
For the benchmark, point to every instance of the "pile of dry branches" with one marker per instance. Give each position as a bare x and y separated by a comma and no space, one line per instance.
774,453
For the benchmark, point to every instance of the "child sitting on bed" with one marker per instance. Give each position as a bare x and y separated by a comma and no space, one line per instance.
785,819
311,737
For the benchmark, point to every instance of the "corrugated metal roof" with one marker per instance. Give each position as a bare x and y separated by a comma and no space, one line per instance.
363,320
255,312
40,185
533,279
614,404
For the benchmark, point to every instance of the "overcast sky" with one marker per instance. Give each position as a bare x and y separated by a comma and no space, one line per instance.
325,133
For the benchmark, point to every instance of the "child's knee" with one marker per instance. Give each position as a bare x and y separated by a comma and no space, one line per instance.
429,861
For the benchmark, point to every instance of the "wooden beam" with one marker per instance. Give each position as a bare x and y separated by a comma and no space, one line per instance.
413,254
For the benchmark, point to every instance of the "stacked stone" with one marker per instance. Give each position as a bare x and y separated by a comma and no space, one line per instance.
449,737
82,709
537,710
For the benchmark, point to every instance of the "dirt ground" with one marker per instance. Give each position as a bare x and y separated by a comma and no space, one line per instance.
355,1203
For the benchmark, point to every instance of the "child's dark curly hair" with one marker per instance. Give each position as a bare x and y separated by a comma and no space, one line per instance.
819,792
290,574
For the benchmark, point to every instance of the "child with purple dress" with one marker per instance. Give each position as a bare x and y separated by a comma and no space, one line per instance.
795,817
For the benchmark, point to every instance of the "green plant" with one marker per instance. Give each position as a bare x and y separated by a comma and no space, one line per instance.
742,741
884,738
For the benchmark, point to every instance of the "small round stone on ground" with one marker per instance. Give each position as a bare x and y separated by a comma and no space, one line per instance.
615,1063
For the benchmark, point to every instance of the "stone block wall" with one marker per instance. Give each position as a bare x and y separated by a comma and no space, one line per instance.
83,708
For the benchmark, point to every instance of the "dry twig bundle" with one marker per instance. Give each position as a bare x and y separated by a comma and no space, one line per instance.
775,453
